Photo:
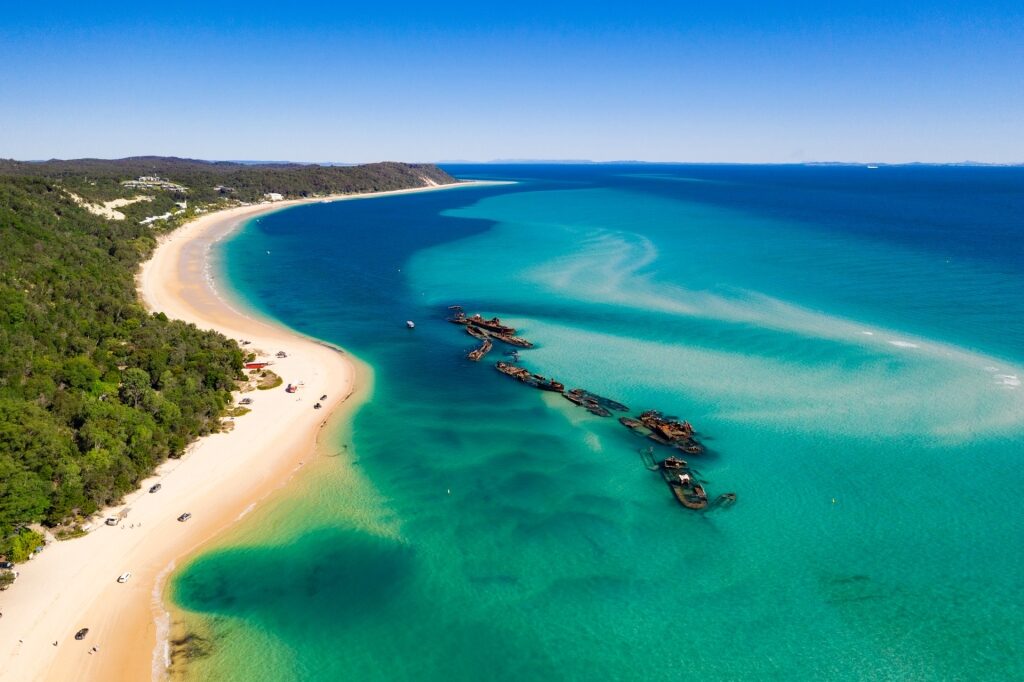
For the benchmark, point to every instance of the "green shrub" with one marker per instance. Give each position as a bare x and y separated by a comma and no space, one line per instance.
268,380
18,547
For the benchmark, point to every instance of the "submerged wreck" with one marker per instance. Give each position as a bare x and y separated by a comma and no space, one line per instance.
664,431
681,480
690,496
723,500
477,324
492,325
688,492
594,403
651,425
668,428
577,397
477,333
483,350
513,340
674,463
536,380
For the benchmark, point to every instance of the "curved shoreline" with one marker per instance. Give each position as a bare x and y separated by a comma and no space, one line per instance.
220,477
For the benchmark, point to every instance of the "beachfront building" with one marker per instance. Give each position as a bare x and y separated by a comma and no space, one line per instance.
273,196
166,216
153,182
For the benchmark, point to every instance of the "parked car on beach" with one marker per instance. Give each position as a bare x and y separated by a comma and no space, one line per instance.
80,635
155,488
184,517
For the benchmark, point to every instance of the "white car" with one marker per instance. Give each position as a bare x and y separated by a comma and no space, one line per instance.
123,578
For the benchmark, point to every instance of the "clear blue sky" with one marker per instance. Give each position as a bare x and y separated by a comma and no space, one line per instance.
688,81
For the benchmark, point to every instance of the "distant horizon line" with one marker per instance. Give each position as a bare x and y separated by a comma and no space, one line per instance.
552,162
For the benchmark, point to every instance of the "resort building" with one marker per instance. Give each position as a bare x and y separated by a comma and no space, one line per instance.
153,182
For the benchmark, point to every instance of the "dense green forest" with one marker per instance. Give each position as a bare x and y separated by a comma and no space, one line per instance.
209,182
94,390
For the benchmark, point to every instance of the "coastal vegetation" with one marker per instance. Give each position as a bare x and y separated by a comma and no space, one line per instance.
95,391
21,544
189,184
268,380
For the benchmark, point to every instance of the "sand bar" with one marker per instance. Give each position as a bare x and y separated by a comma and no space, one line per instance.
73,584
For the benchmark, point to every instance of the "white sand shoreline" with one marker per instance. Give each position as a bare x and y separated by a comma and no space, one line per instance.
72,584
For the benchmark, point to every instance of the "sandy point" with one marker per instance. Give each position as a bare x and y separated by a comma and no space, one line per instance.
74,584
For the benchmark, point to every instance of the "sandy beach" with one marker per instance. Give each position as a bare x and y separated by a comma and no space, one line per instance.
73,584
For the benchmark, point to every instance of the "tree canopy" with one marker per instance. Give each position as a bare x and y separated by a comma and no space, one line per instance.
94,390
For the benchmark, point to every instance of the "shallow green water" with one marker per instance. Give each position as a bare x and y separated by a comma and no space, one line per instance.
847,347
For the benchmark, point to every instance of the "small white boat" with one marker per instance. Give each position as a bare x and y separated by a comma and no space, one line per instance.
872,167
410,324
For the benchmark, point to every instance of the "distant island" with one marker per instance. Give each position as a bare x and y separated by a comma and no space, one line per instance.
636,162
95,391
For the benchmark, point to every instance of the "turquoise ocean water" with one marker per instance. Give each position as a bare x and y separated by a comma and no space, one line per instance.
848,342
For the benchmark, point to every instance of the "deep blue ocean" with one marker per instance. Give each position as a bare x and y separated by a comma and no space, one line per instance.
848,342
